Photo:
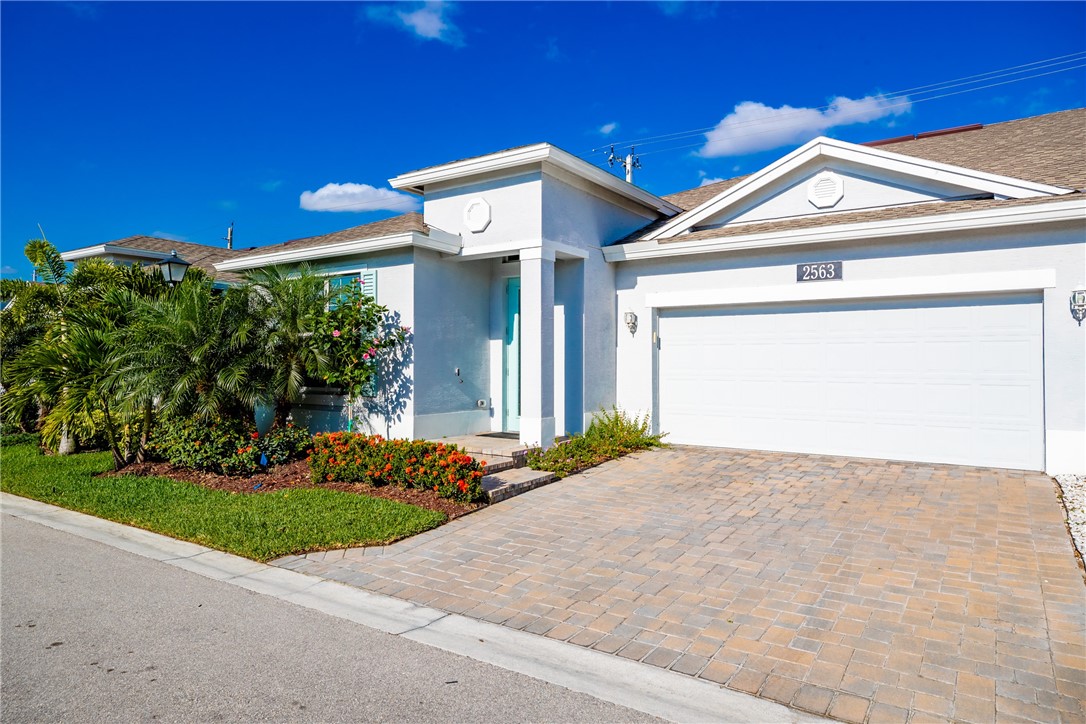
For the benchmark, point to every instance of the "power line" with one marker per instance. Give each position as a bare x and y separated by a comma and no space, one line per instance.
895,95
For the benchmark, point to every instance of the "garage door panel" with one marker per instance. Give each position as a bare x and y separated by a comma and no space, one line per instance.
944,380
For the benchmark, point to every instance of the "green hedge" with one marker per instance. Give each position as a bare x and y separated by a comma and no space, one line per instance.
228,447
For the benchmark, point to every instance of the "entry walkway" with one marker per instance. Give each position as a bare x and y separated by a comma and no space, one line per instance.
862,589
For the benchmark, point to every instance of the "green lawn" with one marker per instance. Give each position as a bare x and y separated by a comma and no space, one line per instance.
258,526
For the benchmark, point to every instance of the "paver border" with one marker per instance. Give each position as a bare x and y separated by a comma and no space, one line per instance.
645,688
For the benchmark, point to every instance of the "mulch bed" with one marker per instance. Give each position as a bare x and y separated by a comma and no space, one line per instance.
293,476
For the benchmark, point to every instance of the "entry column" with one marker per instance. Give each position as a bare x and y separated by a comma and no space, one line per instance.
537,346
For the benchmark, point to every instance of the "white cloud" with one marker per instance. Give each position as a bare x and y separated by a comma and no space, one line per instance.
754,126
356,198
8,269
608,128
429,20
709,180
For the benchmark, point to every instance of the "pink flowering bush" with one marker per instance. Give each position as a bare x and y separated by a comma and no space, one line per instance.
353,335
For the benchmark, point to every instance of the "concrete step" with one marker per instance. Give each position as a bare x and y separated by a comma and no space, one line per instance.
514,481
498,463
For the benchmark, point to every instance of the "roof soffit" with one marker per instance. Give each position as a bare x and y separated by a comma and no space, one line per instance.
877,163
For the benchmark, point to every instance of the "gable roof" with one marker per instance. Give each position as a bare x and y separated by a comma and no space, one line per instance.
1047,150
202,256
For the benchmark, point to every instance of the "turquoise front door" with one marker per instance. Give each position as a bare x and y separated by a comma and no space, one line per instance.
511,361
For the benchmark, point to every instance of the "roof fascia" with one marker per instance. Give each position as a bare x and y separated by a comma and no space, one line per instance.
830,148
1056,212
103,249
541,153
442,242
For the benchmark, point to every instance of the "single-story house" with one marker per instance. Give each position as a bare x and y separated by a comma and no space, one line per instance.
907,299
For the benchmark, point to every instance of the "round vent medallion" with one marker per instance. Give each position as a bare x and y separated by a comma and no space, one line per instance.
825,190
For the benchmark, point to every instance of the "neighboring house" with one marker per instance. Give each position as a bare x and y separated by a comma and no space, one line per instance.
150,249
907,299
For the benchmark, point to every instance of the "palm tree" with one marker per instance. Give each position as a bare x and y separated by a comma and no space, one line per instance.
288,302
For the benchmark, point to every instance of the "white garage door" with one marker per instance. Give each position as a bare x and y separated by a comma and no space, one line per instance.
953,380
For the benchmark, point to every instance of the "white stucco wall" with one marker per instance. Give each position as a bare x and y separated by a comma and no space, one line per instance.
789,196
1062,250
515,209
395,290
574,217
452,330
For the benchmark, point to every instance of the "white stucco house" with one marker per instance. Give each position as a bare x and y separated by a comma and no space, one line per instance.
908,299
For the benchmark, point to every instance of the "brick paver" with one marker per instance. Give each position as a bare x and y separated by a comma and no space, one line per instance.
857,589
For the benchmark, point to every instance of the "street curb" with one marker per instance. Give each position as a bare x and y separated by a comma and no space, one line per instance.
639,686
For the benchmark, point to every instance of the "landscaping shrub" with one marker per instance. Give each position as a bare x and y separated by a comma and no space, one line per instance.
19,438
229,447
356,458
611,435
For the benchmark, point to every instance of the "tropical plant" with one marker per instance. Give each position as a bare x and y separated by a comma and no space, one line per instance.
288,304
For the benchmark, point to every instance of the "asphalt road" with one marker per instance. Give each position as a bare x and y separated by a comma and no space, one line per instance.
91,633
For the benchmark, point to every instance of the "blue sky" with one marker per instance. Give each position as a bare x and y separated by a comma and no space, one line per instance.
174,119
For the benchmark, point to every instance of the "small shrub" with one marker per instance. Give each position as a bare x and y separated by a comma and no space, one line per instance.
356,458
229,447
611,435
19,438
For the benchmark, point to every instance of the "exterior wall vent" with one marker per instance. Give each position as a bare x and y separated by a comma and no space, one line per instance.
825,190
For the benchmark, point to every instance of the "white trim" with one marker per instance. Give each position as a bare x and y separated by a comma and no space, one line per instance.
441,242
104,249
1014,281
506,248
829,148
540,153
1059,211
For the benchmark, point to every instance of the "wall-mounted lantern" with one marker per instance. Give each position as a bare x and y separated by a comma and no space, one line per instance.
1078,305
631,322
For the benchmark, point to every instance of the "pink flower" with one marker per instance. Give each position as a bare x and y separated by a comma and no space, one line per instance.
372,351
335,332
365,355
406,329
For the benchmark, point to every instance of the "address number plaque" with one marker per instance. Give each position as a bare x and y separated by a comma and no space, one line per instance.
822,271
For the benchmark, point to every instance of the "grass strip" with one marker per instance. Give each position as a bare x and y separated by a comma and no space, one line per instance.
258,526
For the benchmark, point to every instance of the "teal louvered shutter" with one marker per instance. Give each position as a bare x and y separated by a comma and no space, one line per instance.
369,282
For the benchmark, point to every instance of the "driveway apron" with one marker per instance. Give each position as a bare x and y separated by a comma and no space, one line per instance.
864,590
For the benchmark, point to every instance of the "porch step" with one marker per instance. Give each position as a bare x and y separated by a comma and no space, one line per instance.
514,481
497,463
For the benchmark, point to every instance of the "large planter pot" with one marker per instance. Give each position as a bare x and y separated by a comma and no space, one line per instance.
264,416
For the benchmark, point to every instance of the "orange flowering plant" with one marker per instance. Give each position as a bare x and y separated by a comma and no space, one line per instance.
356,458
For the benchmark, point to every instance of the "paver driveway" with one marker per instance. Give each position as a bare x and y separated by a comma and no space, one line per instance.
861,589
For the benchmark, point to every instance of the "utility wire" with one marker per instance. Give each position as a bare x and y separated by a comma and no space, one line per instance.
895,95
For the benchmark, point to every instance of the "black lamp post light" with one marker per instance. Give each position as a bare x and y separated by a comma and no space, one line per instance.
173,268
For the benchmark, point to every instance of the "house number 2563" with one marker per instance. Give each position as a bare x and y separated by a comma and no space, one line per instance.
822,271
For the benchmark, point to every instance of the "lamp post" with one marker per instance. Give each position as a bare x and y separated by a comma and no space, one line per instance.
173,268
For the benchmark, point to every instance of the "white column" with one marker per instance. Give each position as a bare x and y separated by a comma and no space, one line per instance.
537,346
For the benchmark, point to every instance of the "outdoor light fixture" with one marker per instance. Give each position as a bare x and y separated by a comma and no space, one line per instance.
1078,305
631,322
173,268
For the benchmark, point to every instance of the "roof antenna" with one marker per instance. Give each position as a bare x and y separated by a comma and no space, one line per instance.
229,238
629,163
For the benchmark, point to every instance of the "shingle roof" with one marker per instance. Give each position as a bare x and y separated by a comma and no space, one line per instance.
1049,149
201,256
402,224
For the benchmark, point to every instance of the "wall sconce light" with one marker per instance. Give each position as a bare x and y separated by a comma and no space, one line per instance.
631,322
1078,305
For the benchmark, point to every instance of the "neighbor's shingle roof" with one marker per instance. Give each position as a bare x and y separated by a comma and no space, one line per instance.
1049,149
201,256
402,224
